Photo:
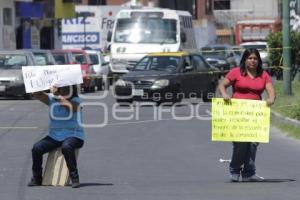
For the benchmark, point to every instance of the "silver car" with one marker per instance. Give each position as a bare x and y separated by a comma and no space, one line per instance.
11,79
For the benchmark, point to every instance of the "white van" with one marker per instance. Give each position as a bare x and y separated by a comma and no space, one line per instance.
138,32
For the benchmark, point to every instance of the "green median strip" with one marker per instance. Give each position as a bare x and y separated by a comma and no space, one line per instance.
287,106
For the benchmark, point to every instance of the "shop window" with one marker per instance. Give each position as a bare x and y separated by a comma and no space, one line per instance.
208,7
222,4
97,2
7,16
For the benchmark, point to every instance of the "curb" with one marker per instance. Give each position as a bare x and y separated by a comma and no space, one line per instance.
287,120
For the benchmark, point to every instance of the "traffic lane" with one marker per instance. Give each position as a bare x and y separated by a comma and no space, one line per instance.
221,153
172,159
137,170
111,113
168,140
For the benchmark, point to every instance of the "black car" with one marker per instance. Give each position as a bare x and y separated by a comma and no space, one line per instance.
220,56
168,77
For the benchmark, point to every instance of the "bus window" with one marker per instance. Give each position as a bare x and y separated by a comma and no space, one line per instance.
145,30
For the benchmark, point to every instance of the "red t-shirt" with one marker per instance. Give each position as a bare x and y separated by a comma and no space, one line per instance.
245,87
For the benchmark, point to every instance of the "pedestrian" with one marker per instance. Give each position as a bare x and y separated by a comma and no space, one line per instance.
65,131
248,81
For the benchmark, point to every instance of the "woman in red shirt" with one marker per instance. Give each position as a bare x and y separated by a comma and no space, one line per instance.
248,81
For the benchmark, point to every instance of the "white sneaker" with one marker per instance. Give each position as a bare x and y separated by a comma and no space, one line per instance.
254,178
234,177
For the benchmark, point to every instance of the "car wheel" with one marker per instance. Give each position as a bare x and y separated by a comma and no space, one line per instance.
99,84
86,89
105,84
207,95
124,102
92,88
177,96
28,96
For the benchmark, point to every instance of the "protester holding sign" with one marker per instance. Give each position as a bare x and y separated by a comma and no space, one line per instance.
248,81
65,131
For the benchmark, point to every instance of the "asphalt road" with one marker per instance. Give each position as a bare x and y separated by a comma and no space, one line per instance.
142,153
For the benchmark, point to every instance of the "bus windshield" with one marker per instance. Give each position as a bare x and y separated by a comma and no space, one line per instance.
145,30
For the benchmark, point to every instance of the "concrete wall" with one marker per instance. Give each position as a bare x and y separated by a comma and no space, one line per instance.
7,32
256,8
205,33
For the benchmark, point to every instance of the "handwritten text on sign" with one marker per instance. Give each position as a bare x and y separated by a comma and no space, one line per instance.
38,78
240,120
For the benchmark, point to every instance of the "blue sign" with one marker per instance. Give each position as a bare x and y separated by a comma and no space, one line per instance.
81,38
30,9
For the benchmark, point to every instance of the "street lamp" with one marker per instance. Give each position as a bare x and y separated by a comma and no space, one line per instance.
85,15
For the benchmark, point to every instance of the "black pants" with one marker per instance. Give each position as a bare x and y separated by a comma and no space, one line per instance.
48,144
243,158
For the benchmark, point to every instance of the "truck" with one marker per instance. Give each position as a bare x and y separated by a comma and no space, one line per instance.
140,31
255,29
89,29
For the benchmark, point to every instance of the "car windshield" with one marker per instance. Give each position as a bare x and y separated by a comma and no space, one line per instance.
79,58
60,59
238,51
213,52
13,61
94,59
158,63
145,30
41,58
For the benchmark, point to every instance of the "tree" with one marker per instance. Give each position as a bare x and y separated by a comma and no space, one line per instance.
275,53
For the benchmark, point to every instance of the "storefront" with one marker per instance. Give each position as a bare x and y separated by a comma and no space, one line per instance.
34,26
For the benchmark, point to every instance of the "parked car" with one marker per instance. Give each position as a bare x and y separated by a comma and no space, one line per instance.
220,56
42,57
101,69
262,47
75,56
238,53
167,77
11,79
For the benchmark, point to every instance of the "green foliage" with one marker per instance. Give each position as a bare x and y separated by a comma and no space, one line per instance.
287,105
291,130
275,50
275,44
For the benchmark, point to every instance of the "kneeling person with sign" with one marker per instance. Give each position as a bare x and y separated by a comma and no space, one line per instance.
65,131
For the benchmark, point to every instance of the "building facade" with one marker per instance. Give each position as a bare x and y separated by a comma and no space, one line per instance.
228,12
32,23
7,25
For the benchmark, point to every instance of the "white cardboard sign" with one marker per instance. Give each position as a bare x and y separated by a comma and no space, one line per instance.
39,78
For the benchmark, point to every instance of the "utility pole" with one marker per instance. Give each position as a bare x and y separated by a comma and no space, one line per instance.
287,89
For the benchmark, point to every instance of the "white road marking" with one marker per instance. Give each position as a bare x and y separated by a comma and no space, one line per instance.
221,160
20,127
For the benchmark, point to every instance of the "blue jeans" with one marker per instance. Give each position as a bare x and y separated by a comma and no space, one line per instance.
243,158
48,144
